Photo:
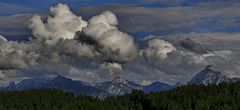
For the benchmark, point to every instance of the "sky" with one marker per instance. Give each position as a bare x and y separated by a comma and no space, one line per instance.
141,40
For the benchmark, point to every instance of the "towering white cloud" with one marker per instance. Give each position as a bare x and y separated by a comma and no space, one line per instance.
54,45
115,46
62,23
100,24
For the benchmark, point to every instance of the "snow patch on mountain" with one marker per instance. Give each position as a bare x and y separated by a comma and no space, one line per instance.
209,76
116,87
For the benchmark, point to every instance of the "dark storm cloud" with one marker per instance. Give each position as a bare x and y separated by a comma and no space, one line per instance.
193,46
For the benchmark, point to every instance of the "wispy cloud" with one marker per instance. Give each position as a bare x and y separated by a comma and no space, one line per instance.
11,9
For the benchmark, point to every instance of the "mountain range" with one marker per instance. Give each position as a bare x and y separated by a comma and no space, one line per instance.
117,86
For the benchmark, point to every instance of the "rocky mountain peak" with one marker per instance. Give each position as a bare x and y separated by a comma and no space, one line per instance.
209,76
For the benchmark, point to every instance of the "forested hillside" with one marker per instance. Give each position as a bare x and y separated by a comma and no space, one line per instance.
192,97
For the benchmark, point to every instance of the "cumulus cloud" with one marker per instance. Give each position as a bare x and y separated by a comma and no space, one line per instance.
54,46
2,39
112,68
16,55
180,64
62,23
115,46
12,56
157,49
38,58
100,24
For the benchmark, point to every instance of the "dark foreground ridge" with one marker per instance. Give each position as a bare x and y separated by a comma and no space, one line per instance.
224,96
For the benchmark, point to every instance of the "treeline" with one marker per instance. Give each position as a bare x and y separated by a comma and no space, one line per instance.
193,97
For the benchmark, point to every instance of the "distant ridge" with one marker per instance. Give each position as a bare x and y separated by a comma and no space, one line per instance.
116,87
156,87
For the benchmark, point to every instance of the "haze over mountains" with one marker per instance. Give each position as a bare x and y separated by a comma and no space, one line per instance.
118,86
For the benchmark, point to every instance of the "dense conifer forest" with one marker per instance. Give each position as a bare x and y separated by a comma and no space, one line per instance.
192,97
